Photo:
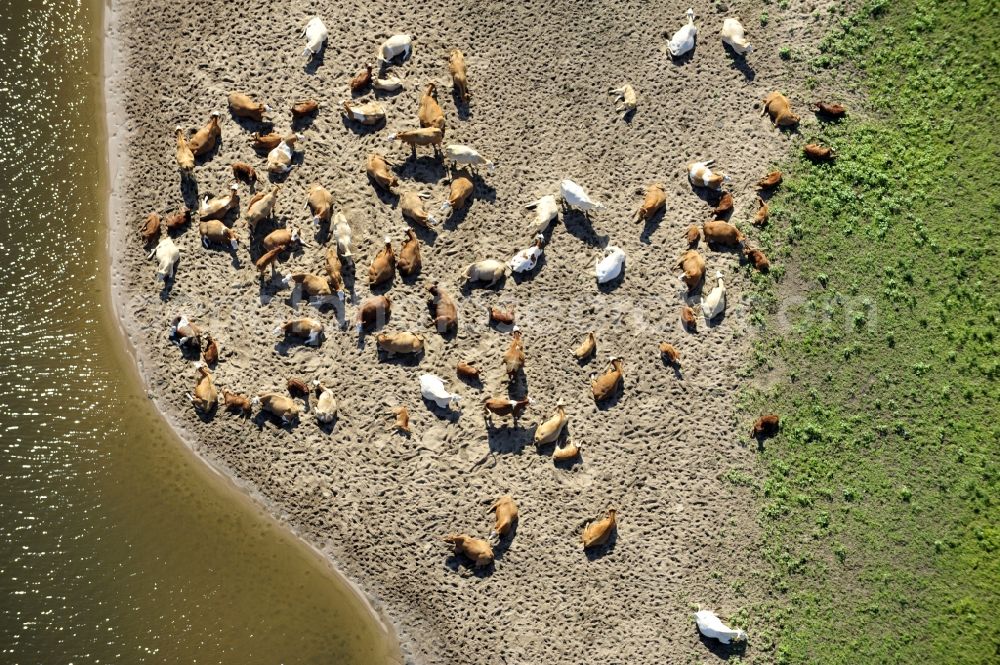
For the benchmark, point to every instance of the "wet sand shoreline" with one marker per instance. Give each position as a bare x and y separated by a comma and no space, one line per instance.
375,503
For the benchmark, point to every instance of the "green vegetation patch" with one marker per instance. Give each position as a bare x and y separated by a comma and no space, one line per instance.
879,498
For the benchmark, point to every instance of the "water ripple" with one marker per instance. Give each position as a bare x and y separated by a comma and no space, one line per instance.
113,545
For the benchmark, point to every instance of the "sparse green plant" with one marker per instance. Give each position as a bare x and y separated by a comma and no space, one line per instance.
901,404
740,478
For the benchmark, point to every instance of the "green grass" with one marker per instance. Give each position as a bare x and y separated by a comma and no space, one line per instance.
879,499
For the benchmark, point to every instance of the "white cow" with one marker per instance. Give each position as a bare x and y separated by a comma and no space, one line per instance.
387,84
432,389
167,255
316,35
464,155
734,35
575,197
279,160
546,210
711,626
370,113
683,39
610,266
715,303
326,404
342,232
395,45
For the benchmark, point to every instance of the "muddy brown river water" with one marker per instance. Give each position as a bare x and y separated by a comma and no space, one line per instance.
117,544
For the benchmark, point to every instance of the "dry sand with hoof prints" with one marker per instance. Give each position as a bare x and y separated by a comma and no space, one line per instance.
378,502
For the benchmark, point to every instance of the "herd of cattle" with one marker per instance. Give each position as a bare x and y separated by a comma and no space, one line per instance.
373,312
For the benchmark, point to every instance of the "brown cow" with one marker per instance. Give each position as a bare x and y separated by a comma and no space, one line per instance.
431,136
178,220
235,402
320,202
265,142
304,109
506,515
183,154
205,139
214,231
378,171
409,255
476,549
459,74
772,179
268,259
505,316
241,106
373,311
297,387
504,406
693,265
467,371
513,359
766,426
599,531
244,172
672,355
308,329
818,153
687,319
383,267
402,420
430,113
605,385
780,109
763,212
205,396
361,80
586,348
724,206
831,111
281,237
210,355
717,232
333,271
150,230
443,309
692,236
459,191
758,259
656,200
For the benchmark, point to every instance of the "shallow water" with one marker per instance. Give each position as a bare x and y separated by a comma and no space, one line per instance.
116,545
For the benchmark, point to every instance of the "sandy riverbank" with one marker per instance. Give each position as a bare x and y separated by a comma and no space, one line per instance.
377,503
116,83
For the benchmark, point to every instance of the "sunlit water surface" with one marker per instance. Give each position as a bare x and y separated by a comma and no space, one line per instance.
117,546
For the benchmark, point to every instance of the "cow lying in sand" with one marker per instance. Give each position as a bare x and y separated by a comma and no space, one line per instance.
167,256
316,35
278,405
432,389
241,106
780,109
